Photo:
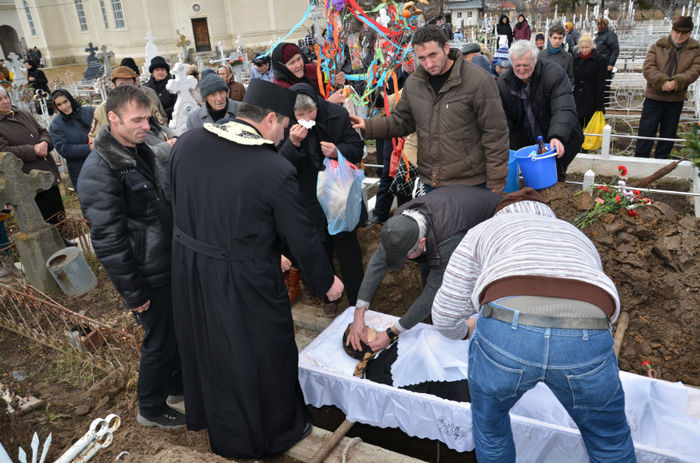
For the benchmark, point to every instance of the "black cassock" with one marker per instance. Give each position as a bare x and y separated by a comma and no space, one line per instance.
232,315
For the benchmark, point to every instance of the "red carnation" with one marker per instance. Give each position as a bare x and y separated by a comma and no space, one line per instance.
617,198
623,170
632,213
636,192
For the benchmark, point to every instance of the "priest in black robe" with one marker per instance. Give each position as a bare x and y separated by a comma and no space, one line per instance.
236,203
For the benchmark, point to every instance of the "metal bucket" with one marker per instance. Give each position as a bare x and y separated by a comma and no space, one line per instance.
71,271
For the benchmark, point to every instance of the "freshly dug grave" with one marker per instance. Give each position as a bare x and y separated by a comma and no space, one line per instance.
653,260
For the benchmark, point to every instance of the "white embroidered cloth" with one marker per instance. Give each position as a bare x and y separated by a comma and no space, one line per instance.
659,412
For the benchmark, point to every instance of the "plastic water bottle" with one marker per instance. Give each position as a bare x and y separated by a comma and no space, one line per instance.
542,149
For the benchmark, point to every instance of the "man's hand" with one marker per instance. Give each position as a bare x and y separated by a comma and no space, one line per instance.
285,264
610,68
339,79
297,134
498,189
329,149
337,98
358,332
143,308
669,86
557,145
171,141
357,122
471,326
380,342
336,289
41,149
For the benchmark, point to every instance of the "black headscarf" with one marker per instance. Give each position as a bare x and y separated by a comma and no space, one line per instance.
280,69
73,103
312,143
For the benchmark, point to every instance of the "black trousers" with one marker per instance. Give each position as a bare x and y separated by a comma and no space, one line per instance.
382,206
347,250
655,113
51,205
160,373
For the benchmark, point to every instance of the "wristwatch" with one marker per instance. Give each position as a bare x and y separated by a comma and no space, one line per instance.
392,336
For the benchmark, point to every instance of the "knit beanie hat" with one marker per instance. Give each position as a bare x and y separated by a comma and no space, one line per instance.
683,24
500,55
158,62
210,82
131,64
289,51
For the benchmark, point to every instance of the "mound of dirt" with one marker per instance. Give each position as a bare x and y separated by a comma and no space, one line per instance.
653,260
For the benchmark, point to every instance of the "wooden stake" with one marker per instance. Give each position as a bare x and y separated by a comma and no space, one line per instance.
336,437
622,324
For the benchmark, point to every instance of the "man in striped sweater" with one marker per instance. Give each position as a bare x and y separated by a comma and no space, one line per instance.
545,308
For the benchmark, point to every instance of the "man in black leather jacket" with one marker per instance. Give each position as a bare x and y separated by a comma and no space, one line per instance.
131,234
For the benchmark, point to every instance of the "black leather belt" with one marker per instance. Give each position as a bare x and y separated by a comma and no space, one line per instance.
507,315
215,252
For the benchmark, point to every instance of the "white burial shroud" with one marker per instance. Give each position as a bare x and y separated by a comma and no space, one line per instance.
664,417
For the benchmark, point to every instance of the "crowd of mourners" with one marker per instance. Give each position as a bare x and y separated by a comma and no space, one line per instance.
196,231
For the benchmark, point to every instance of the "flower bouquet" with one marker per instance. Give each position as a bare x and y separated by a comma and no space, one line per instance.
610,198
235,62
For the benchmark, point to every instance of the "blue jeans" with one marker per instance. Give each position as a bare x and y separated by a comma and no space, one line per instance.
579,366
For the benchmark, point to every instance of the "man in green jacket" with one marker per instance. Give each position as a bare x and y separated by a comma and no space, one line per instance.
672,64
455,109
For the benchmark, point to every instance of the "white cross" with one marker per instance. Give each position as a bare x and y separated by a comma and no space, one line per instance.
185,104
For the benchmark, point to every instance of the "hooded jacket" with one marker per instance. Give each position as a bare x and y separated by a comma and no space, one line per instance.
505,29
285,77
462,132
131,219
333,125
687,71
70,134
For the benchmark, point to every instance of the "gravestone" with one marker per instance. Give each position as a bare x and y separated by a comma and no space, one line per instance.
15,65
94,65
151,52
41,99
36,240
183,44
185,104
104,56
222,58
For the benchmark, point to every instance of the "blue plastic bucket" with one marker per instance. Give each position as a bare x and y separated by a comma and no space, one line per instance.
539,170
512,183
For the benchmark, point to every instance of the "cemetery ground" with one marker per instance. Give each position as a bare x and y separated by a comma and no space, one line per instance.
652,258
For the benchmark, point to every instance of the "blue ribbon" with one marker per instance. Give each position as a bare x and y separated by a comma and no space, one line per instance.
306,15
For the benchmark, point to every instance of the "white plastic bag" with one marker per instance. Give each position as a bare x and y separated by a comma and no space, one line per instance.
339,191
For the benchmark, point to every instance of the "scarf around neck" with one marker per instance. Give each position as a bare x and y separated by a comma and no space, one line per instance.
554,51
585,56
672,64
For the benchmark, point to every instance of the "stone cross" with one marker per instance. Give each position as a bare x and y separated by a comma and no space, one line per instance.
19,190
37,240
222,57
183,43
91,49
17,69
105,56
185,104
94,66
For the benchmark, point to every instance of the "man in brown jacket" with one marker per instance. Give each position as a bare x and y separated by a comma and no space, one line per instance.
455,109
672,64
